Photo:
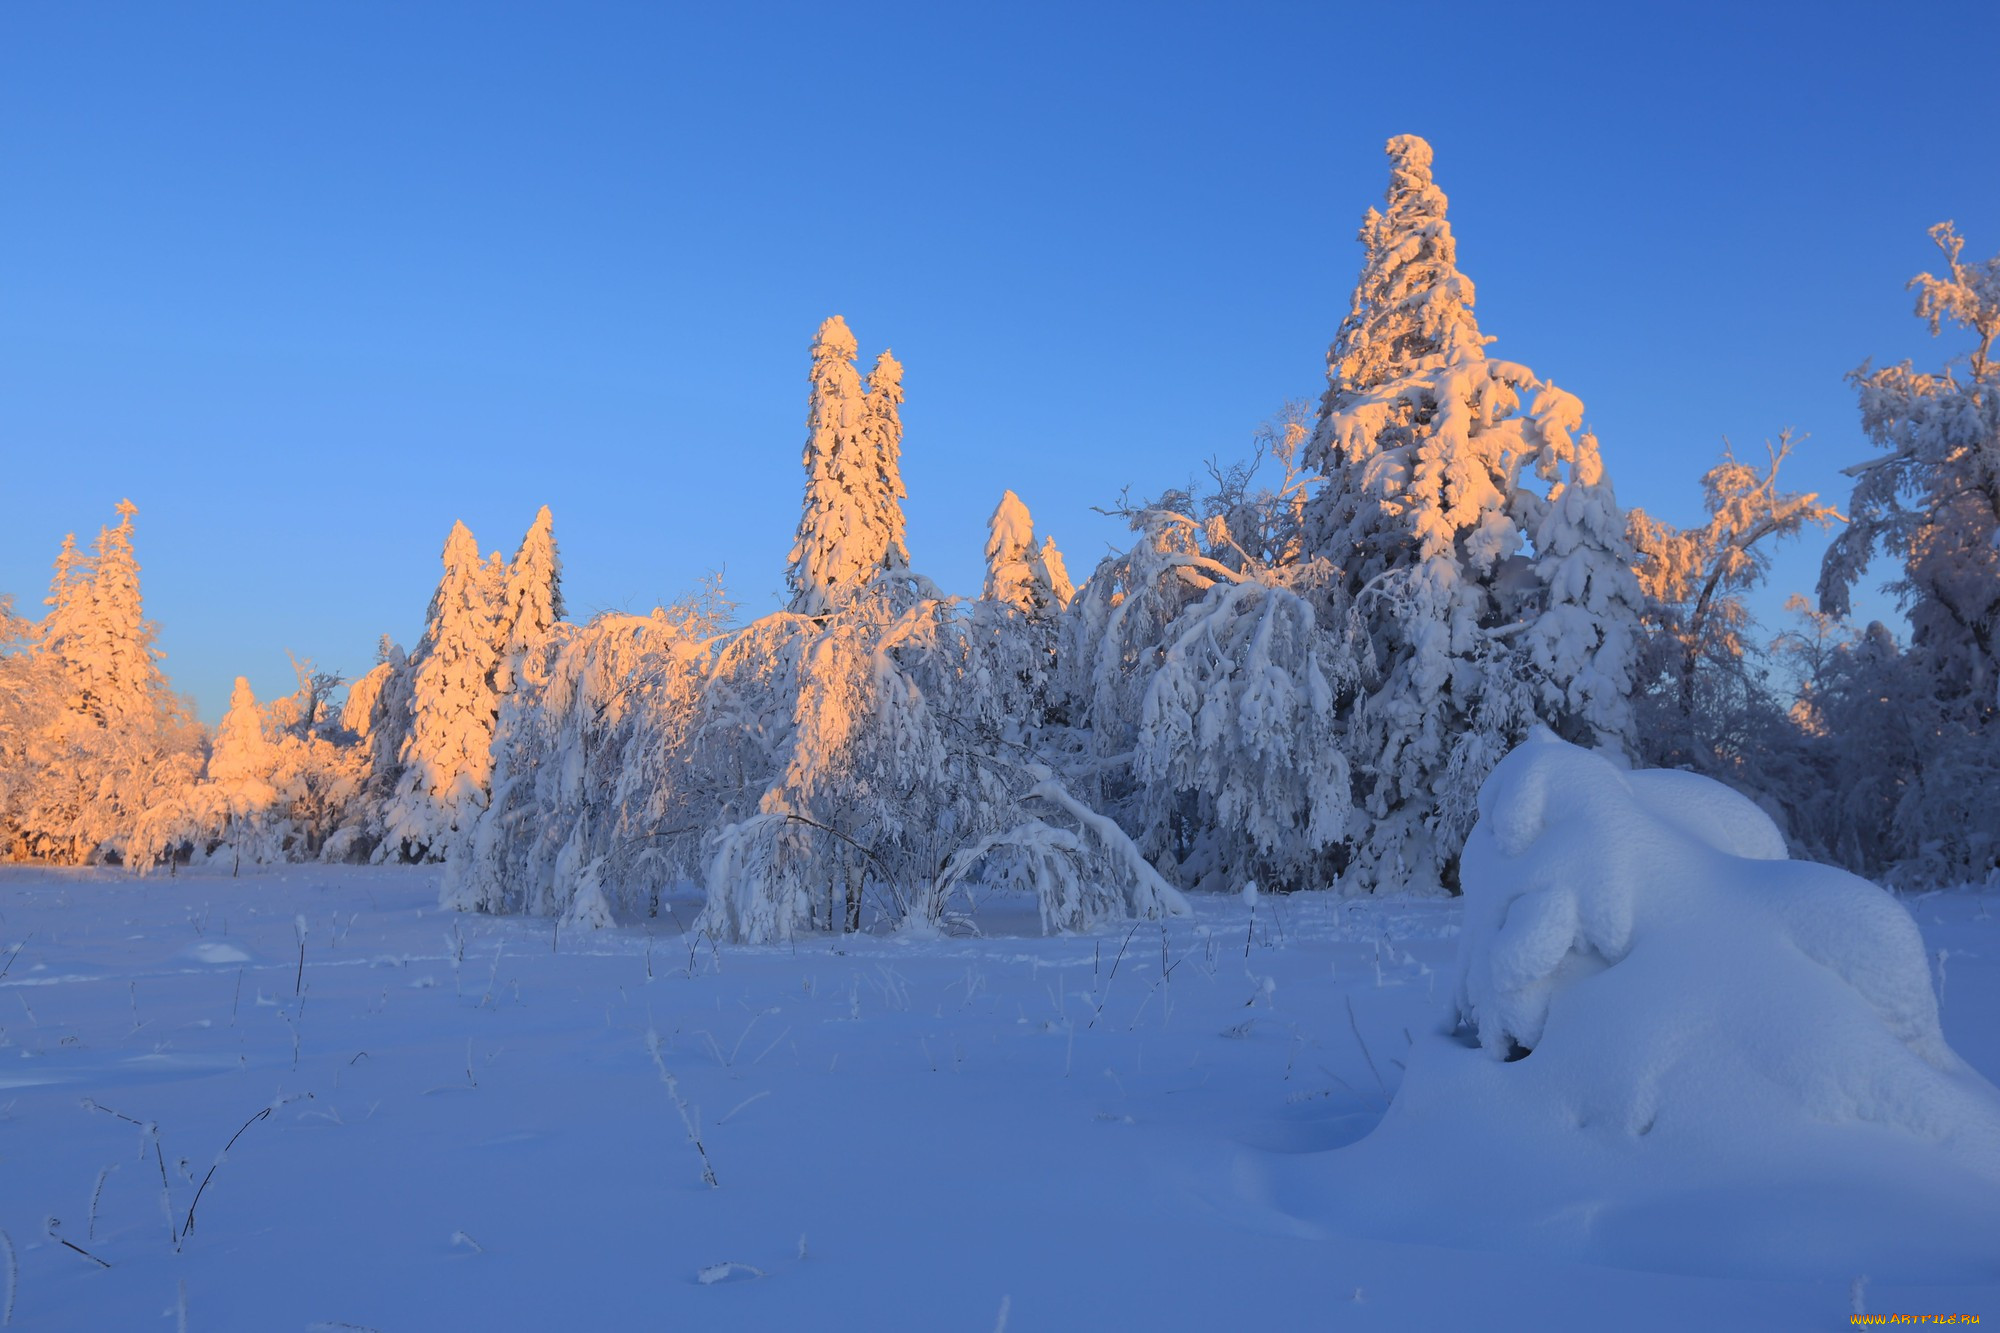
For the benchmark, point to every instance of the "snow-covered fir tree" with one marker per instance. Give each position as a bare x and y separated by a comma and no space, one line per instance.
882,432
531,602
1475,538
1028,578
125,672
446,756
114,740
64,633
851,524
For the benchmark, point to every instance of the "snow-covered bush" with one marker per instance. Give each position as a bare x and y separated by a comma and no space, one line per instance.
1237,750
590,784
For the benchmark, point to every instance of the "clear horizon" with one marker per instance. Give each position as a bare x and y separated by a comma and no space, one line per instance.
310,286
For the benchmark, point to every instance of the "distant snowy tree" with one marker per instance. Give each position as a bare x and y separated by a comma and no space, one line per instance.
1931,502
1014,627
376,715
1028,578
1476,539
446,757
1697,665
241,766
1054,575
33,697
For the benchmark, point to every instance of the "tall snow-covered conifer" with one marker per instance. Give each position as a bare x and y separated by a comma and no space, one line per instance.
882,430
851,525
447,753
121,740
531,602
123,665
1490,601
63,637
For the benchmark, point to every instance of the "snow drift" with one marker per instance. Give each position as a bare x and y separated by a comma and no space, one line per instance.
1671,1047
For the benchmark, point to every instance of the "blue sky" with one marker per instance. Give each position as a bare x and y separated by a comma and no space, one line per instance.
309,282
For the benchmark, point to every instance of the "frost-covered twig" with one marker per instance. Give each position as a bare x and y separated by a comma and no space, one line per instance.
52,1226
299,981
1355,1027
680,1104
14,953
96,1192
1106,994
150,1133
187,1227
755,1096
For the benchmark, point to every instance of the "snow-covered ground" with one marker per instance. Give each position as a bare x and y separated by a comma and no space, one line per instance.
1132,1130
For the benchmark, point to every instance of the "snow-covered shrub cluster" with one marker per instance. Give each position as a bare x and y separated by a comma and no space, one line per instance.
1300,675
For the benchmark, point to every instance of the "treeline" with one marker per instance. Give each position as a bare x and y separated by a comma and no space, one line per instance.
1299,674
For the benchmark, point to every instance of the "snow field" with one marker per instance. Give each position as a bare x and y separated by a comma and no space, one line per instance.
904,1133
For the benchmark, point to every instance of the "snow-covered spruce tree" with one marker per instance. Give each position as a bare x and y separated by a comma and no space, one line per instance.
851,524
1028,578
1931,502
882,434
531,602
122,741
1476,539
446,758
1016,619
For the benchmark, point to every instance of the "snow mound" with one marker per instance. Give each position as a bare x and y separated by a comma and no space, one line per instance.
213,951
1670,1047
